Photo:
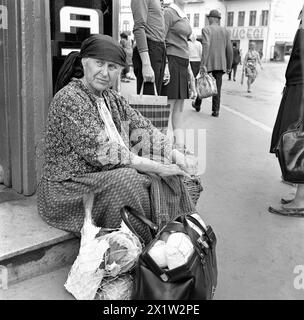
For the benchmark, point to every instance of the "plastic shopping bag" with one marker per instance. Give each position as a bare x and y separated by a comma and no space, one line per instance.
206,86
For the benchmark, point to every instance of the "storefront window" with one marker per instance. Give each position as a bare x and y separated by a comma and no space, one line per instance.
126,25
196,20
241,19
264,18
230,19
252,18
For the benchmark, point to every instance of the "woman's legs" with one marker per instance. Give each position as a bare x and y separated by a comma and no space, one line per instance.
298,201
250,81
177,107
234,68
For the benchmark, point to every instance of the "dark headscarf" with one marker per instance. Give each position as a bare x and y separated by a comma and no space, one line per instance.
97,46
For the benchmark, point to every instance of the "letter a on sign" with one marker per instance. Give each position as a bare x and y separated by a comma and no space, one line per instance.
66,23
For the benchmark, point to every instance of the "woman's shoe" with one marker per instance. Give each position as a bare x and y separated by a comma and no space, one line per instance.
197,108
288,212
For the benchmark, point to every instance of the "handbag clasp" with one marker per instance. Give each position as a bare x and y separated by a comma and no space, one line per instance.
164,277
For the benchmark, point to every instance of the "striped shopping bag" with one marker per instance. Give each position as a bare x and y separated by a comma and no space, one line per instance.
155,108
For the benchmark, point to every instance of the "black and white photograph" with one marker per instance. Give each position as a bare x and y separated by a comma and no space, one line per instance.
151,150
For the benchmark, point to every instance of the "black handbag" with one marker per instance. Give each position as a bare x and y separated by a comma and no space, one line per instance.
290,152
194,280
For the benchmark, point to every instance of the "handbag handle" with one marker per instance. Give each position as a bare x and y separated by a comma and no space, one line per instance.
142,89
194,236
124,215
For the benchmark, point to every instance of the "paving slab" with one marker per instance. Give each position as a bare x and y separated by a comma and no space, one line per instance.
22,230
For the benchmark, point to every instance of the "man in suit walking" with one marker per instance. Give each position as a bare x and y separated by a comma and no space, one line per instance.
217,55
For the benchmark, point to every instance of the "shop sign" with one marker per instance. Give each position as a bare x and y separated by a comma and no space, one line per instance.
68,25
246,33
3,17
75,20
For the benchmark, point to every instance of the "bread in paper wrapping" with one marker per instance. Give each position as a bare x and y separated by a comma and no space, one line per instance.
179,249
158,253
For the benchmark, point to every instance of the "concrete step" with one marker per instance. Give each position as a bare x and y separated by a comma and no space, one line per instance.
48,286
28,246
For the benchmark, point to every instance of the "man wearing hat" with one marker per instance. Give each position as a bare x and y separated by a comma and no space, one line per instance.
217,55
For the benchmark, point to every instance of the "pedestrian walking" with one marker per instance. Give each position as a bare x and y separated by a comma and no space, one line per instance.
252,58
178,31
128,50
217,55
149,54
290,113
127,73
235,61
195,57
261,54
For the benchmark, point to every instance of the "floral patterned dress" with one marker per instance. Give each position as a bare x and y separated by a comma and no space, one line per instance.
79,157
250,61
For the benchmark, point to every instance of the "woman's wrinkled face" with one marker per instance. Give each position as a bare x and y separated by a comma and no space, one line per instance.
99,75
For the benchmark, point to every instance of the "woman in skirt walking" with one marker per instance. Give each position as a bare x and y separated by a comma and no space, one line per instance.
178,31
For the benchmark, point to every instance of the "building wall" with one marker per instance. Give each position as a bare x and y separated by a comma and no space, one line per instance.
244,34
281,28
126,22
203,8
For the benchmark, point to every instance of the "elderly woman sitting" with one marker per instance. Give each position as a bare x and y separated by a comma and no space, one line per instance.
90,146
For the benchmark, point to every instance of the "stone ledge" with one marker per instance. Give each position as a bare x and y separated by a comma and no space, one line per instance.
22,229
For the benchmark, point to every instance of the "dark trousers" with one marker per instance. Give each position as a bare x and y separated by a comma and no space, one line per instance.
216,100
234,69
157,53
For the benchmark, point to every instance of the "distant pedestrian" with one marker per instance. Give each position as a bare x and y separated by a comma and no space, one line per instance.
261,54
290,113
235,62
251,60
127,46
195,57
178,31
149,55
217,55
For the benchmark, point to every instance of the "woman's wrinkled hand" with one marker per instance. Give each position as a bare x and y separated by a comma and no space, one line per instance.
191,164
166,170
187,163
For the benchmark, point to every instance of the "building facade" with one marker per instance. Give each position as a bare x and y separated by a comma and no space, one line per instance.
271,24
